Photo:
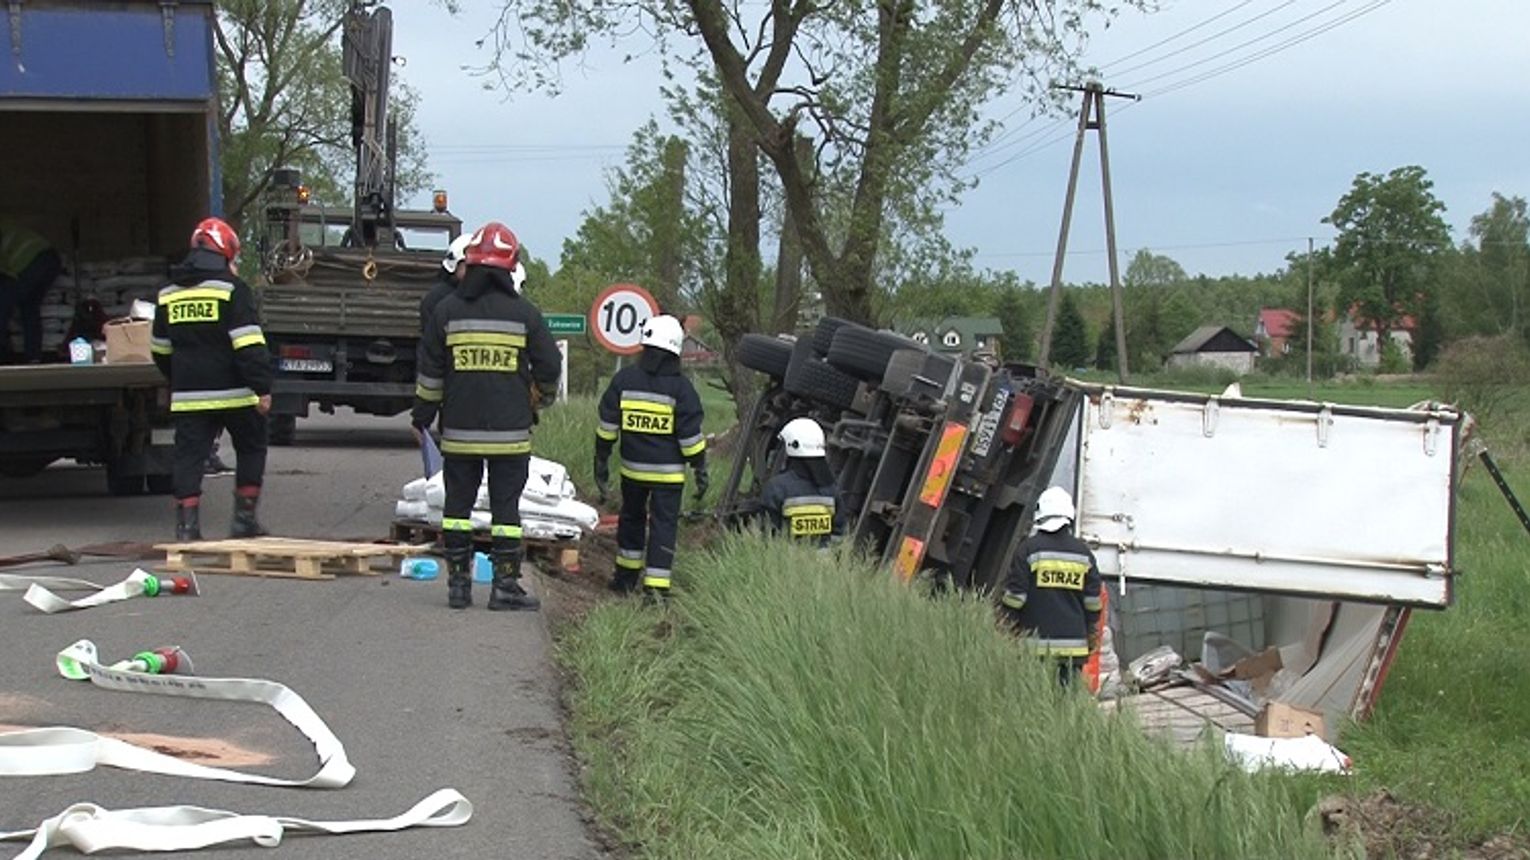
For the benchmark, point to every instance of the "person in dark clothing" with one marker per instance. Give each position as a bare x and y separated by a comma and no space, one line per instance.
452,271
487,360
1052,592
207,341
657,414
802,501
28,267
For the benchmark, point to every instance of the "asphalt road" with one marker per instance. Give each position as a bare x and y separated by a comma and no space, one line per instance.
422,697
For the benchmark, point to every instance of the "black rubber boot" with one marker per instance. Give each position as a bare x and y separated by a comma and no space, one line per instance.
245,525
188,523
459,573
624,580
507,592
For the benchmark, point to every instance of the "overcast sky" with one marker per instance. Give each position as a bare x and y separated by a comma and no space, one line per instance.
1225,175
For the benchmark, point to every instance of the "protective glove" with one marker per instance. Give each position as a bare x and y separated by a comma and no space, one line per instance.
602,477
703,482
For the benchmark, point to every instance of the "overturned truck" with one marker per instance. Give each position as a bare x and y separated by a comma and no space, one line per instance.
1299,532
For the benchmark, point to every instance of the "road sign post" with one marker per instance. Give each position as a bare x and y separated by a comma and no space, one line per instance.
563,370
617,317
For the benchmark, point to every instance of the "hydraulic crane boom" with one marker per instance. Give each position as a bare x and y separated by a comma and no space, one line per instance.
367,46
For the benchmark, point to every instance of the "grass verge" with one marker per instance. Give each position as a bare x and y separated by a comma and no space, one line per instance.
790,704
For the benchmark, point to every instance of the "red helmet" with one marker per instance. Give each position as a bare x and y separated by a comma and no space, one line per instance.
494,245
214,234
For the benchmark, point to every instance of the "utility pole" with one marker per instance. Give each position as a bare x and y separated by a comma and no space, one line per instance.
1309,317
1094,104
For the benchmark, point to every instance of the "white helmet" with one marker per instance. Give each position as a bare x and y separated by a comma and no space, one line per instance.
456,253
1054,509
664,332
802,438
518,277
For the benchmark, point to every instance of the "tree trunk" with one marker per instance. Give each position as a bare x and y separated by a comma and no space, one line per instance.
667,290
788,299
736,308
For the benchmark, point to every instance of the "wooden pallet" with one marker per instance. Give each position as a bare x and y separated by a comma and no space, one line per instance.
284,557
563,553
1182,714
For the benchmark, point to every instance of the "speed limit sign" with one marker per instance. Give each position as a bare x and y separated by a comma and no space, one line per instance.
618,315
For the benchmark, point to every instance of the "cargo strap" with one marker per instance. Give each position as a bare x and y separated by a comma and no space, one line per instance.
66,750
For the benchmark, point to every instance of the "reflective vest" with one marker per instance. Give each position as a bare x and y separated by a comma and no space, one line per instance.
18,248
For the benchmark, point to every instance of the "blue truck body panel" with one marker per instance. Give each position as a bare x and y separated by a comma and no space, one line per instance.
110,51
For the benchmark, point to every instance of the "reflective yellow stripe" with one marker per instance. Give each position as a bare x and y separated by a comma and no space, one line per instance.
484,338
603,433
431,394
1092,604
452,524
654,477
249,340
195,293
656,578
506,531
206,405
1013,600
802,510
630,563
485,449
161,349
647,406
693,450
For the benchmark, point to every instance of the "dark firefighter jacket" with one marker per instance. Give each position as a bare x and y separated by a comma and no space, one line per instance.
445,285
657,414
802,504
206,338
484,350
1053,593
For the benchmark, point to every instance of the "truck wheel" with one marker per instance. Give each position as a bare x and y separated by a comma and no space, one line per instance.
764,353
864,353
160,485
823,336
811,379
281,429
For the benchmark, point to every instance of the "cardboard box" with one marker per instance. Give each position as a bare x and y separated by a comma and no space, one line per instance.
1280,720
127,341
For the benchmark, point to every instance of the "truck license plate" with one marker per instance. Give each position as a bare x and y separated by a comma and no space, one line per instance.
307,365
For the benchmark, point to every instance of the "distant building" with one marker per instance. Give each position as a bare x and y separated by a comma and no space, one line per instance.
1215,346
1275,330
693,350
1360,339
958,335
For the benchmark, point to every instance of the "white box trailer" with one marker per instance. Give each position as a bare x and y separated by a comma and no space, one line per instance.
1339,519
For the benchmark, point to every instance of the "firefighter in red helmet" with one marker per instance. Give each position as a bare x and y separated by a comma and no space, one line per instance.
207,341
486,357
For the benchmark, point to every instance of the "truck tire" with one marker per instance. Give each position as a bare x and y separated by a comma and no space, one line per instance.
281,429
160,485
766,354
813,379
864,353
823,336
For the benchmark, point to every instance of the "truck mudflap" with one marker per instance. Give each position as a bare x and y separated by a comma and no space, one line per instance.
1347,503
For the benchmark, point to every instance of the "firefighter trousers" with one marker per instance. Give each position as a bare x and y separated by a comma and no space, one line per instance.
463,476
646,530
195,433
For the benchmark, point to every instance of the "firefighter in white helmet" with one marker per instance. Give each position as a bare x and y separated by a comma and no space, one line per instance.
657,415
802,501
1052,592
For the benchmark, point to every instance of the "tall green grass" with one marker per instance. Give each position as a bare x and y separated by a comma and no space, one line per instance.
788,704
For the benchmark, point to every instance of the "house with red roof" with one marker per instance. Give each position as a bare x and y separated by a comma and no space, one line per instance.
1276,331
1359,338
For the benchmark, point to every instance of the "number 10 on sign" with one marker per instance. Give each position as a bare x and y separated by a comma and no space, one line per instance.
617,317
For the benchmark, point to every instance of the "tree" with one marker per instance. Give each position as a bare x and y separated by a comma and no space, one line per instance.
1489,284
892,92
1105,346
1150,282
284,101
1070,342
1019,340
1391,237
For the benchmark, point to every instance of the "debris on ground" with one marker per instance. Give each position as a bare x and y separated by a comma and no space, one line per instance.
1379,825
549,509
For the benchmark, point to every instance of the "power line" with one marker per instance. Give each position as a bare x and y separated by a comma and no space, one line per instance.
1273,49
1185,32
1213,37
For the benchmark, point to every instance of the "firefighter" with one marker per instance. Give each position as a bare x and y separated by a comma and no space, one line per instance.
1052,593
487,359
28,267
208,343
657,414
452,272
801,501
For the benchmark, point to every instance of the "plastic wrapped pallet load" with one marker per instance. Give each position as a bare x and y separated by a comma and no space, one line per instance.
549,510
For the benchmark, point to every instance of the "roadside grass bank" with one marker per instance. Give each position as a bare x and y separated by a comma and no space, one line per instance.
789,704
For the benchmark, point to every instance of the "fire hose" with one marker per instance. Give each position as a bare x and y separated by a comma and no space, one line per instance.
139,583
166,672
